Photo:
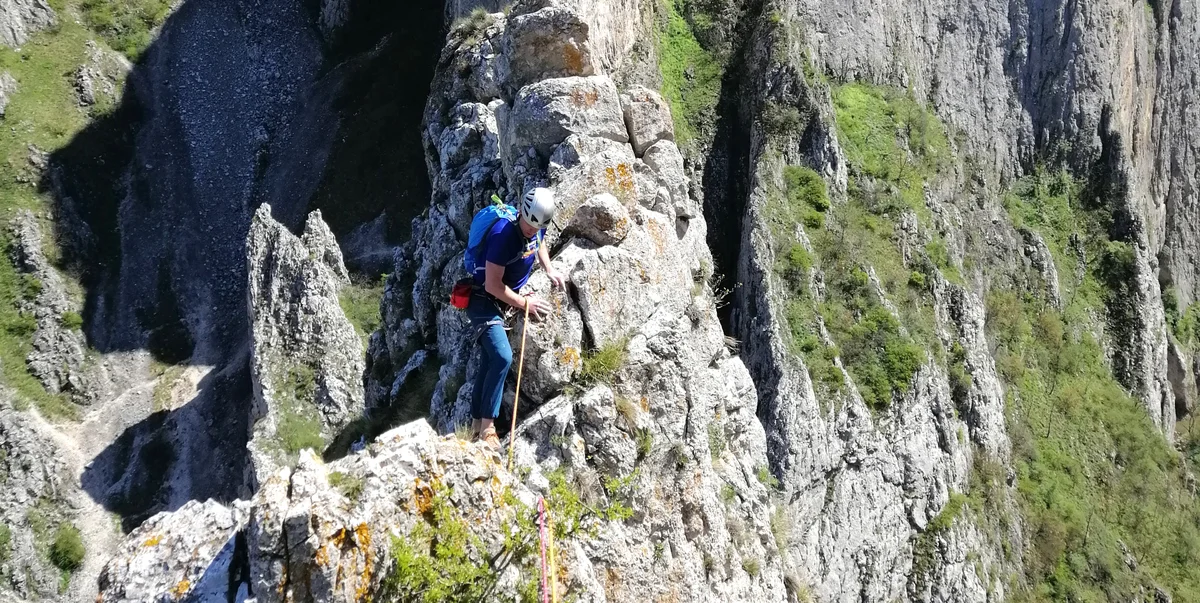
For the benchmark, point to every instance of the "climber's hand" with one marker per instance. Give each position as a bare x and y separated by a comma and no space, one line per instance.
556,278
538,307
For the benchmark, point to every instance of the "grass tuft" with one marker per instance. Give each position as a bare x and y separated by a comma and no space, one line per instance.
602,365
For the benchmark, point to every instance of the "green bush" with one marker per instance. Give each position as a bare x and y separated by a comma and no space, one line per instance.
813,219
67,552
796,266
645,442
881,359
805,187
960,379
1118,266
780,120
1187,327
728,494
763,473
71,320
472,26
438,562
752,566
716,440
350,486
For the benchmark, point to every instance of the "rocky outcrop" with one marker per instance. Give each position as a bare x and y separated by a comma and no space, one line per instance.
306,359
32,484
101,78
20,19
647,117
57,358
193,554
675,419
8,86
658,439
618,33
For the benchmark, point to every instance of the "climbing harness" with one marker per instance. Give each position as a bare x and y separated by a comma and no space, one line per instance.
546,531
512,432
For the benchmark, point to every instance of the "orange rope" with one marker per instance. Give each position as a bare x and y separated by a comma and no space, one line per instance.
512,432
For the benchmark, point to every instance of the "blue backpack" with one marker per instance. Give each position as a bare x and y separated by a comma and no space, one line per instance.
481,225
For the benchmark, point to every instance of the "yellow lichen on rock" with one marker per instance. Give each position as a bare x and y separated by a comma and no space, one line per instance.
570,356
181,589
363,539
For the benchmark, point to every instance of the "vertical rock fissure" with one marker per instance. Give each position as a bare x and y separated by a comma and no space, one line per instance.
725,171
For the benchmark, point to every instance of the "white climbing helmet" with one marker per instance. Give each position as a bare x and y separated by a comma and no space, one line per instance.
538,207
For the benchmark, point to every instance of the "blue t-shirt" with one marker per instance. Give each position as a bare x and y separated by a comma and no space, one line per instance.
507,246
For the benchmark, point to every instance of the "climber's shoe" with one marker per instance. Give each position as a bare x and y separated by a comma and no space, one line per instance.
490,438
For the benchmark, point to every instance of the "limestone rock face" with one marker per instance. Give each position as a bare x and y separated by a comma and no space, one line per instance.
21,18
101,76
664,421
35,481
307,361
545,113
547,43
601,220
648,118
57,358
8,86
189,554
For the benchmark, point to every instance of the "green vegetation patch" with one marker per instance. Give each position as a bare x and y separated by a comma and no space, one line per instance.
127,25
890,137
298,426
1097,482
925,544
881,351
1095,477
439,561
894,147
691,74
67,551
5,543
1185,325
350,486
360,302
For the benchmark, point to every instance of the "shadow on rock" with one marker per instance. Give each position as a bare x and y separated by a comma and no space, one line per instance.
196,451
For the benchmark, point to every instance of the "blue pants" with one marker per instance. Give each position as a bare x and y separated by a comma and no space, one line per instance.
495,358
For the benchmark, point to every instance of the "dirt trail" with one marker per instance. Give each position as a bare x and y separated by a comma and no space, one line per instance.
78,443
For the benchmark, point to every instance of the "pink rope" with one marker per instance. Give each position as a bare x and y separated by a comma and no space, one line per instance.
542,534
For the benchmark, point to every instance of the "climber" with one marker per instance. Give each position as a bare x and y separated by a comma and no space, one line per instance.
508,248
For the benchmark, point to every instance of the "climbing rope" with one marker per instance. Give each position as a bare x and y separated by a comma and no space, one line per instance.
546,531
512,432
